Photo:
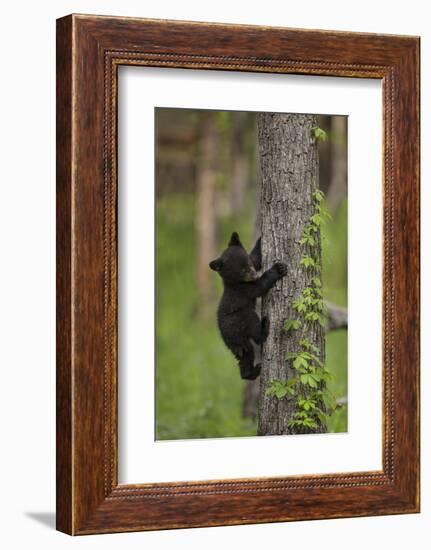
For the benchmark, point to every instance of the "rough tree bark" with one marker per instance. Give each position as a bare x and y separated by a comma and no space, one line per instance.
290,172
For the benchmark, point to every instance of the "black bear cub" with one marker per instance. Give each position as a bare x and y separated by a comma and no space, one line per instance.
237,319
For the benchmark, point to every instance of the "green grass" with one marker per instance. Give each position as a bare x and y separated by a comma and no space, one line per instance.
198,388
334,260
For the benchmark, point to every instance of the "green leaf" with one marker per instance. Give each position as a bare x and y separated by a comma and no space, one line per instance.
308,239
318,134
327,376
309,380
299,306
305,343
290,391
312,381
311,316
305,378
310,356
280,392
316,219
291,324
276,388
307,261
314,348
326,214
295,423
318,195
317,376
300,362
280,389
310,423
307,404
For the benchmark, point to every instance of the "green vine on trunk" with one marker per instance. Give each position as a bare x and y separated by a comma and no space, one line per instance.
314,403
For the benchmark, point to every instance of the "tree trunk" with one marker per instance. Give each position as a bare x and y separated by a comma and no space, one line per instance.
290,172
206,211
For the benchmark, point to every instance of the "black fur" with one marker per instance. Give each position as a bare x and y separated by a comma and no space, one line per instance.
237,319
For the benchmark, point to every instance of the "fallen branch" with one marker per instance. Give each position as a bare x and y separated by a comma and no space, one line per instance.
342,401
337,317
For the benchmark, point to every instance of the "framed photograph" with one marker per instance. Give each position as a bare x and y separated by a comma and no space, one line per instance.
237,274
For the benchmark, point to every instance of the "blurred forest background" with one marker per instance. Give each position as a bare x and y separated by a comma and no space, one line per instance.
207,185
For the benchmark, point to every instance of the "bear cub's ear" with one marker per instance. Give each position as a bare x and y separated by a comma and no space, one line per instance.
234,240
215,265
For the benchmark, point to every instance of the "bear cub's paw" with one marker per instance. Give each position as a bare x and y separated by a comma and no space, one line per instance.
281,268
254,373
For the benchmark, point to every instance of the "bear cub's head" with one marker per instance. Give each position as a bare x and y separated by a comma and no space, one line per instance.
234,265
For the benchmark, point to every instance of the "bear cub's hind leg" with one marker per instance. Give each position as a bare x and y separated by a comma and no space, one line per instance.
246,364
